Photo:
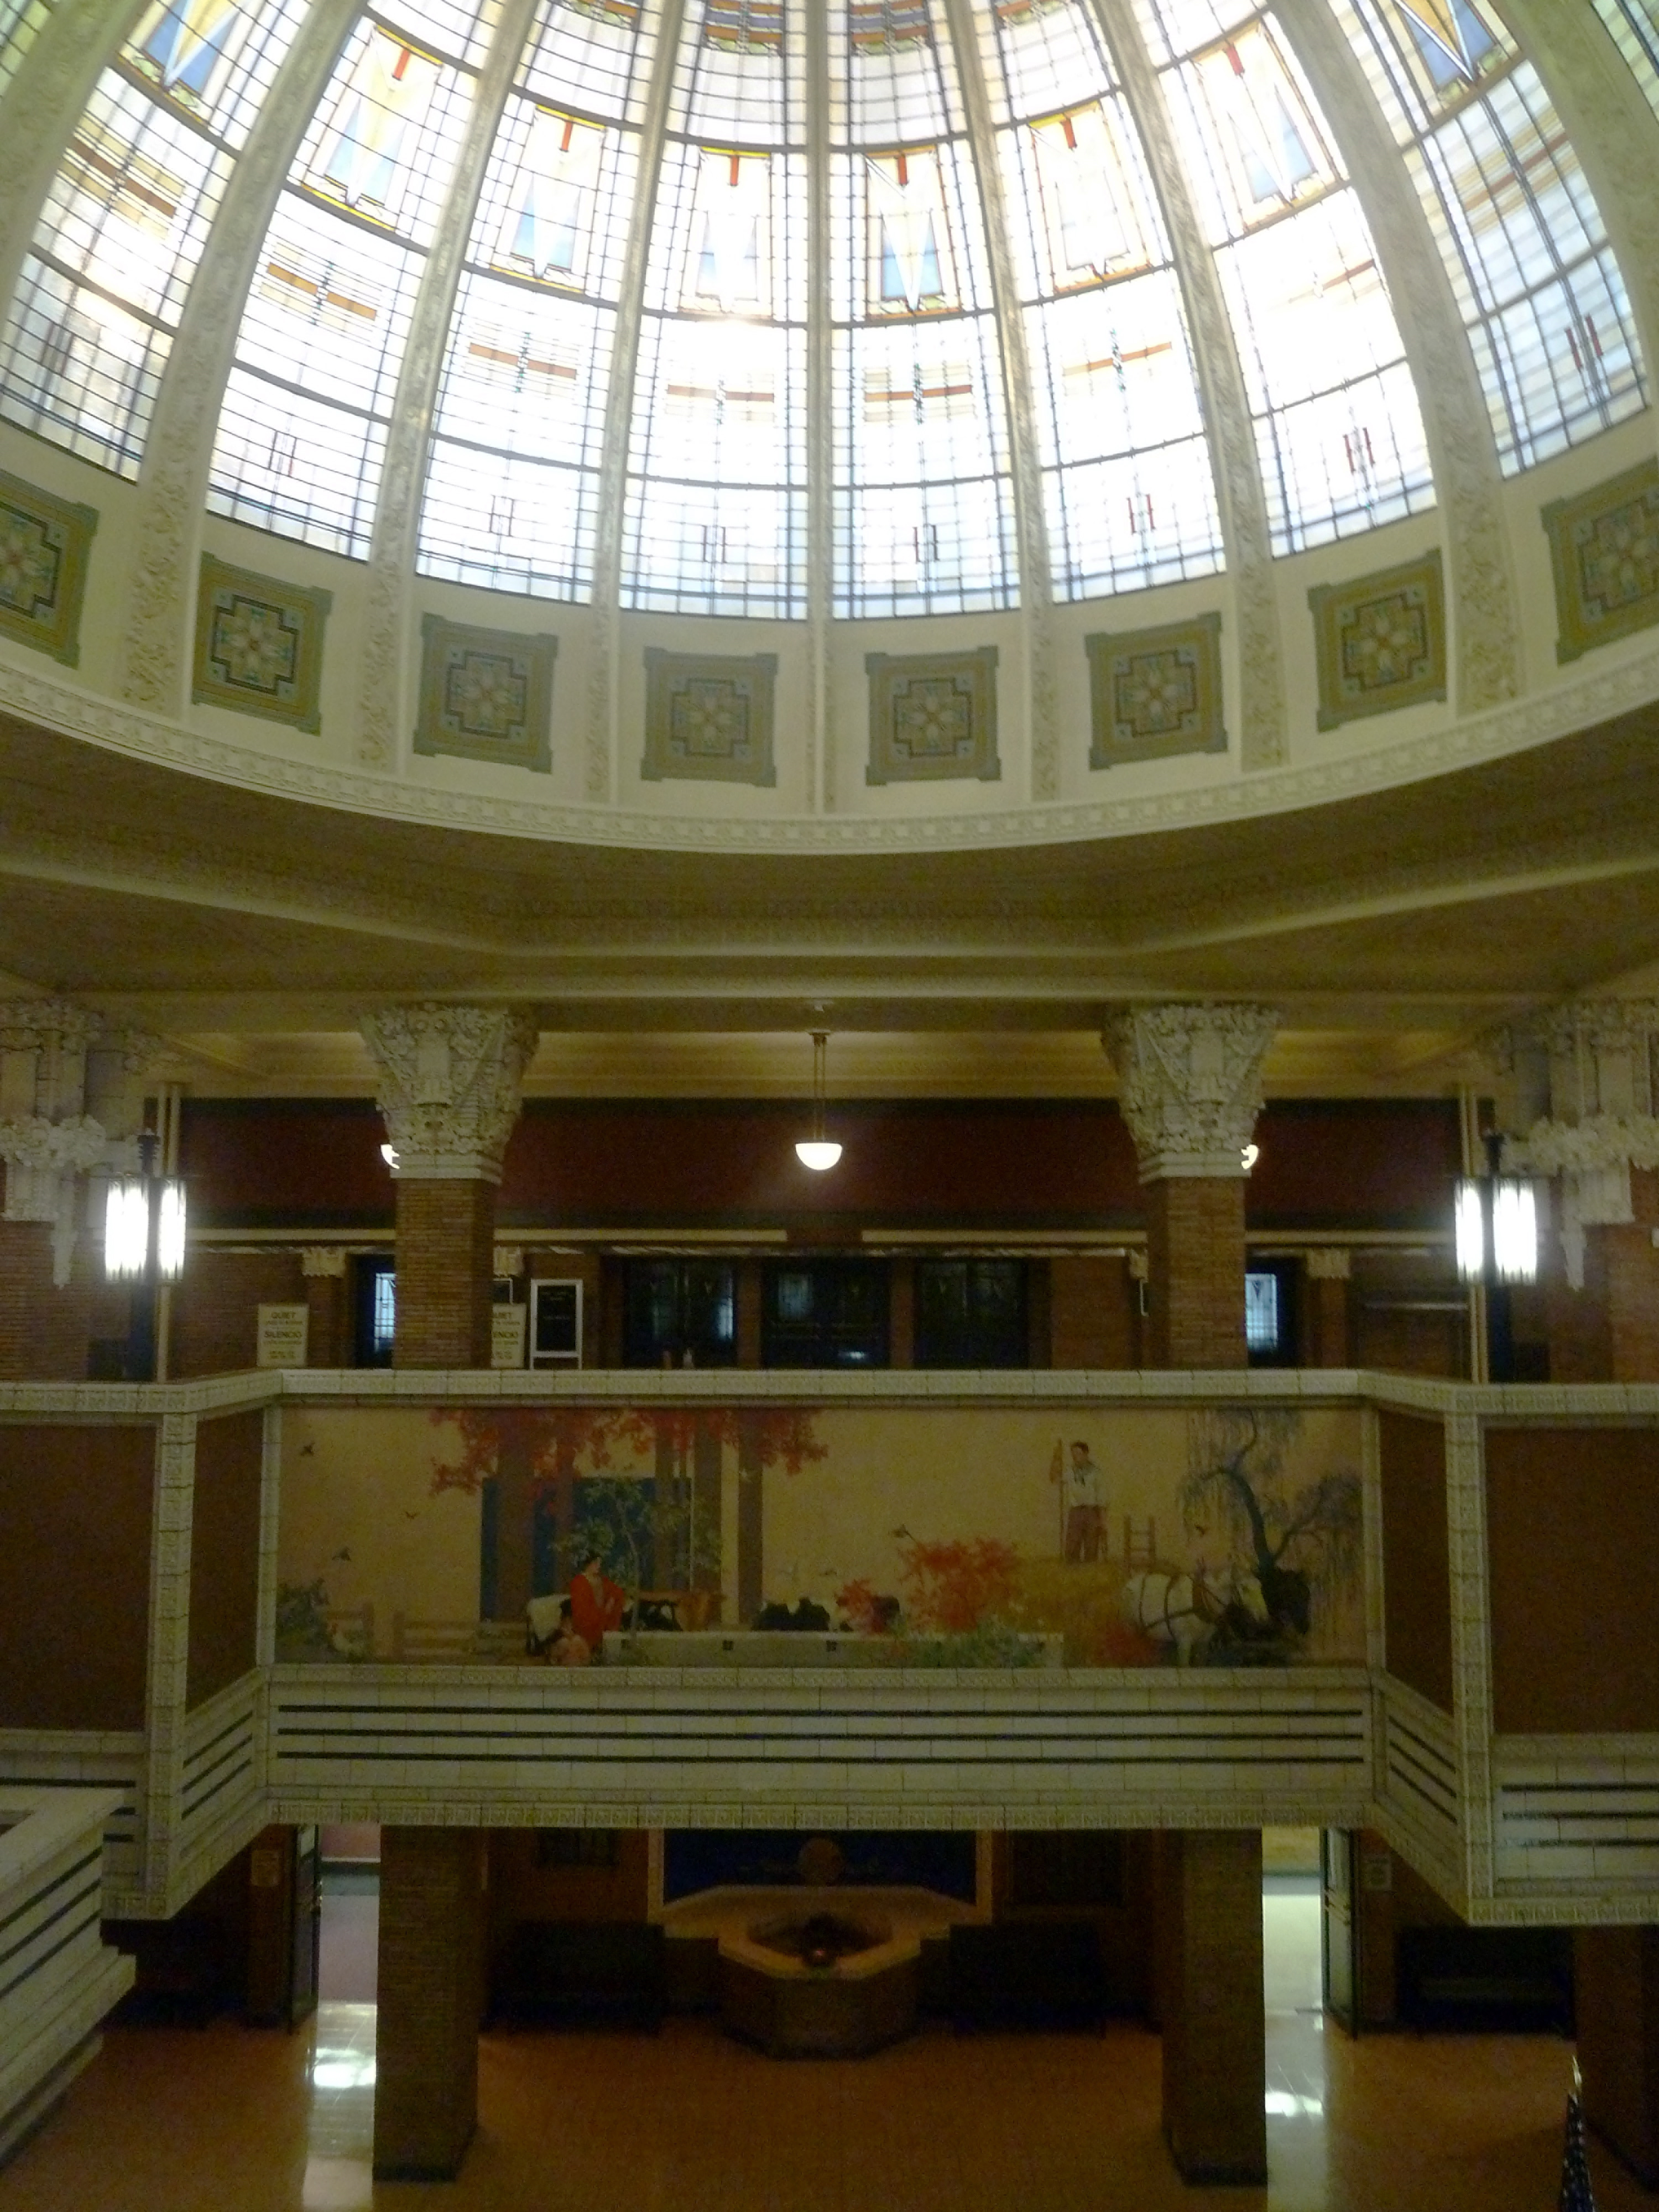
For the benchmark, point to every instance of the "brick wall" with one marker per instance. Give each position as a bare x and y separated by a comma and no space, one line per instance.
445,1270
215,1307
1093,1313
1196,1254
430,1996
45,1331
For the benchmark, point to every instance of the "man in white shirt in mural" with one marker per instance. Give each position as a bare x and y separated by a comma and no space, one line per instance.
1085,1507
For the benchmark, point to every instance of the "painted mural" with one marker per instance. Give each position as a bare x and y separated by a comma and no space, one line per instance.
1173,1536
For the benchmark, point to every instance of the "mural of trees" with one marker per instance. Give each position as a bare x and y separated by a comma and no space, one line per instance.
656,1519
1301,1544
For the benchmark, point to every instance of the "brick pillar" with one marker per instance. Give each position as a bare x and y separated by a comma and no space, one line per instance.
450,1082
1196,1255
1211,2005
328,1326
1190,1081
446,1251
1326,1328
1616,1997
430,1996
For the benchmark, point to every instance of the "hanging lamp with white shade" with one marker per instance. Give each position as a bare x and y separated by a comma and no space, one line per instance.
818,1152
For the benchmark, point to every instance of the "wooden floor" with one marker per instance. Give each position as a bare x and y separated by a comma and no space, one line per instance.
229,2119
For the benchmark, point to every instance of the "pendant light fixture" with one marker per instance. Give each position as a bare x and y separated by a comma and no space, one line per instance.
818,1152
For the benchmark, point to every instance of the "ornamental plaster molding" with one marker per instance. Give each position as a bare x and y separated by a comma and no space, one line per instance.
55,80
1191,1083
1026,463
172,484
321,1262
381,651
1468,482
1628,683
1263,722
449,1083
1603,1141
43,1160
1330,1263
45,1024
599,763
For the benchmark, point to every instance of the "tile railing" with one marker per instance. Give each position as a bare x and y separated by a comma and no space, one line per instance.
58,1978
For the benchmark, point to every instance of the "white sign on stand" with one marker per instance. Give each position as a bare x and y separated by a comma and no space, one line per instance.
507,1335
283,1335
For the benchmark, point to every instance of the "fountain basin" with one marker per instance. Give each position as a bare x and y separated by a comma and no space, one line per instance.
818,1982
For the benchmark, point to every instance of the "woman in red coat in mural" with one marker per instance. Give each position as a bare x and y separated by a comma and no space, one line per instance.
596,1603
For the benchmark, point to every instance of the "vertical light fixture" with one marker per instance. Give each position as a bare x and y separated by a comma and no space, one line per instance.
144,1222
818,1152
1497,1224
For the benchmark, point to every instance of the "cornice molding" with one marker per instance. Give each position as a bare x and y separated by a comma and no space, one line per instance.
1513,727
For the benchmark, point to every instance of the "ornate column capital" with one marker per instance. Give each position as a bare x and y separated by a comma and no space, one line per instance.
321,1260
1330,1263
450,1081
1603,1061
1191,1077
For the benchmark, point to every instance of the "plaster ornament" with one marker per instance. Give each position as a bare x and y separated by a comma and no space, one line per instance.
322,1260
450,1082
1602,1055
1330,1264
43,1160
1191,1078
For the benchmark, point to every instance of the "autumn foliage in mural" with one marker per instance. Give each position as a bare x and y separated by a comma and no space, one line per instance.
553,1440
953,1588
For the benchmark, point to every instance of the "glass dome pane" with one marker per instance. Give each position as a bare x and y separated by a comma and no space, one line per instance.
924,520
1635,27
1129,495
1338,432
126,221
303,431
513,484
1514,217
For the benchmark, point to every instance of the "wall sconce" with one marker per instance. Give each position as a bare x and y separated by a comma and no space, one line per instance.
144,1222
818,1152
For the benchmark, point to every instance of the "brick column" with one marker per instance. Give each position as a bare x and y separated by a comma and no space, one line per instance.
1616,1998
328,1323
1326,1331
430,1998
1211,2004
1596,1063
450,1082
1190,1078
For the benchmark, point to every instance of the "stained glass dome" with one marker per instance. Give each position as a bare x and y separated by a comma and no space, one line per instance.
823,313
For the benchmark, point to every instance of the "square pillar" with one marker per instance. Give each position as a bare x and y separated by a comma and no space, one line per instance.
1211,2004
1195,1278
1616,1997
1189,1079
430,1998
445,1272
1325,1289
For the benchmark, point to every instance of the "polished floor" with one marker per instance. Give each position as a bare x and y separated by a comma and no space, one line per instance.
226,2119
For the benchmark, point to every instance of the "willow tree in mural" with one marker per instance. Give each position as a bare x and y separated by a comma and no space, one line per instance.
640,1485
1300,1542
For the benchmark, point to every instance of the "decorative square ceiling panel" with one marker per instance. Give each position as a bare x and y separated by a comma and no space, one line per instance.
708,717
932,714
44,546
1381,641
486,693
259,646
1604,546
1155,692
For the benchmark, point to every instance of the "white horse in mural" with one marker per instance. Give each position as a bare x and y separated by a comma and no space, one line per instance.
1183,1612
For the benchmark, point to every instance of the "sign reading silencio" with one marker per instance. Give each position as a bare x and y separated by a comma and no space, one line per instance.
282,1332
507,1335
